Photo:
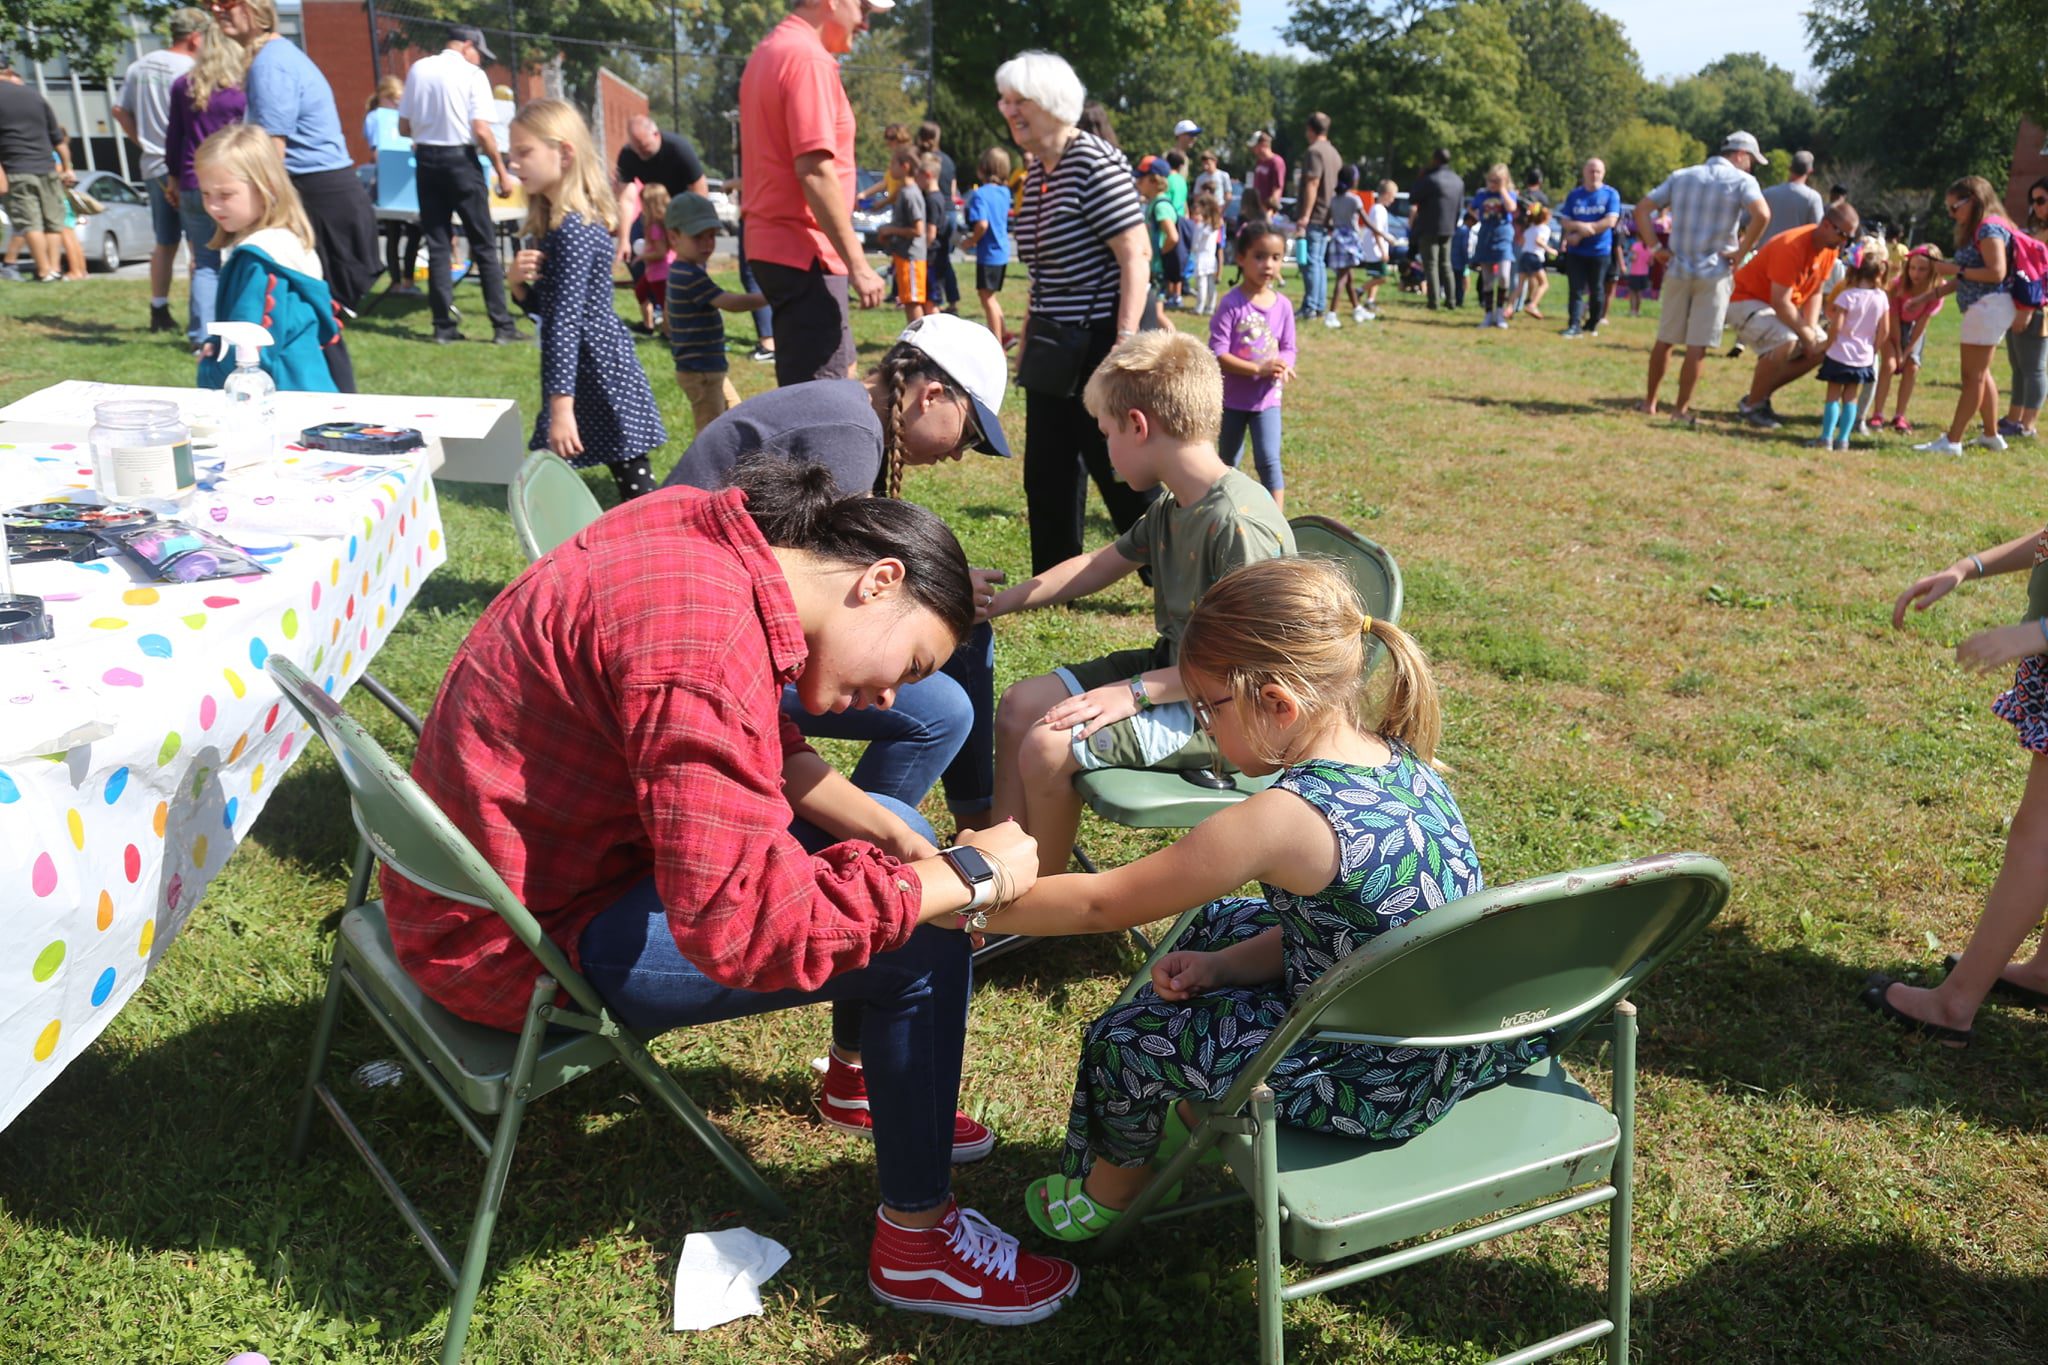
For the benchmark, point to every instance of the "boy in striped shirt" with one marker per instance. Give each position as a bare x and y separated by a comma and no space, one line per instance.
696,333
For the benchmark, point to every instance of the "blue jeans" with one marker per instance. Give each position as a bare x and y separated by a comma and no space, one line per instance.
942,725
199,230
1315,275
1264,426
905,1012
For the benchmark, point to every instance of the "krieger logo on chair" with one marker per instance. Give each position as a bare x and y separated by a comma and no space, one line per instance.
1525,1017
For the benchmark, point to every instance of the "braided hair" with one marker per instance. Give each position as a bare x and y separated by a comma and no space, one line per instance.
901,368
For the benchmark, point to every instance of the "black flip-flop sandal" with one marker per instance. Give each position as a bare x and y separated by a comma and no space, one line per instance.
2011,990
1874,987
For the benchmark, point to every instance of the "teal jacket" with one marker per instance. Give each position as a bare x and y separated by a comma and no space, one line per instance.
296,310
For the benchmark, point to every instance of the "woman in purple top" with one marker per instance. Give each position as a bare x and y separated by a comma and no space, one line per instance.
1252,335
204,100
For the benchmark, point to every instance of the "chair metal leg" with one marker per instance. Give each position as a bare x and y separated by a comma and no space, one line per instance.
359,875
369,683
478,1248
1621,1213
1266,1211
323,1039
656,1078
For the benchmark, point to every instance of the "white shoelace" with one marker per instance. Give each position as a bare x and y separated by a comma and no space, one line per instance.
985,1246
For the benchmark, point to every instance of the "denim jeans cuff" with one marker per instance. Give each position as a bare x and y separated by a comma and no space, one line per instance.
918,1205
972,806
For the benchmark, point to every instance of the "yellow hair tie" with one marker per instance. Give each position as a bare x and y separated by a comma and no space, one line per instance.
1366,629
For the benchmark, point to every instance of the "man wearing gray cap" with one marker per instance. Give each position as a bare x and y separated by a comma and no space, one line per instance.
447,111
143,109
1706,202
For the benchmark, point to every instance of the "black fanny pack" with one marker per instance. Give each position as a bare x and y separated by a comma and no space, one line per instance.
1054,360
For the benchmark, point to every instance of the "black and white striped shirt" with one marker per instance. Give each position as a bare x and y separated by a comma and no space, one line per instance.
1064,225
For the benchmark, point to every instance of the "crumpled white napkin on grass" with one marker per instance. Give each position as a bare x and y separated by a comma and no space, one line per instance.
720,1274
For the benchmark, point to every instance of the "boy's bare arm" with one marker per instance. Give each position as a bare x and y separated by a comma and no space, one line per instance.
1064,581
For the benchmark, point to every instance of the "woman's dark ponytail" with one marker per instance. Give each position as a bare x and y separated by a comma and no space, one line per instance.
797,506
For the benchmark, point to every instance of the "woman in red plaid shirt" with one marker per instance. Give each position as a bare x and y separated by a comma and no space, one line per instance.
610,737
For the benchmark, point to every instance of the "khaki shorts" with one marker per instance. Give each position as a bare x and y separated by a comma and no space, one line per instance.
1164,738
1692,309
710,392
1759,328
35,203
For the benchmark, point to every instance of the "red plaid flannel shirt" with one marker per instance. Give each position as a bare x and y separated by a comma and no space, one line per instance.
616,713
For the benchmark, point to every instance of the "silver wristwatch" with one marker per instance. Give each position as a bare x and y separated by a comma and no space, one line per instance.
977,871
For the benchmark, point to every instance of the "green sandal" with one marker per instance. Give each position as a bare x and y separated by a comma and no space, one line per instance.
1176,1137
1060,1209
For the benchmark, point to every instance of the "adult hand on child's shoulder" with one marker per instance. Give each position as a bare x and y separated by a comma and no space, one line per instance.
1183,975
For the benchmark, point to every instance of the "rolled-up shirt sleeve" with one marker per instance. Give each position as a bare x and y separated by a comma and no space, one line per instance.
747,905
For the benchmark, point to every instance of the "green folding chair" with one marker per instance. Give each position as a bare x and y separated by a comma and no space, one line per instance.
1139,799
1554,953
550,503
475,1072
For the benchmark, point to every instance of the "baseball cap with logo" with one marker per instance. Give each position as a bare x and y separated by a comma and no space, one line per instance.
474,36
1155,165
973,359
1744,142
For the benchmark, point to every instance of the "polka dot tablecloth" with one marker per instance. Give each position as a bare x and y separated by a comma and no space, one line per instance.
107,845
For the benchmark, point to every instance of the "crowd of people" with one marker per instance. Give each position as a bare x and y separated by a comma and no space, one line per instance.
624,732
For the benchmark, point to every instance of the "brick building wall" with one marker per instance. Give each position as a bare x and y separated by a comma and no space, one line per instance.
617,103
2029,163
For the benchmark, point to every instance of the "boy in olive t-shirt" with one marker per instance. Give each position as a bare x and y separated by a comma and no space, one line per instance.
1158,398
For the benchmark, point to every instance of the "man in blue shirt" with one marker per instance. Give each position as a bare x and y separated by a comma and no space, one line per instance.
1589,215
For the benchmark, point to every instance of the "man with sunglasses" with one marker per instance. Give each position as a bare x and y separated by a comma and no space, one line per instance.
1777,305
797,162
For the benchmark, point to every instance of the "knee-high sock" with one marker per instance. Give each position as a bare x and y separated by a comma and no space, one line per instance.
1848,421
1830,418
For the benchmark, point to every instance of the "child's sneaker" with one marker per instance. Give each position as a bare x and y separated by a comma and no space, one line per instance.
1330,321
1992,442
843,1103
1940,445
1874,422
1358,314
1902,426
966,1267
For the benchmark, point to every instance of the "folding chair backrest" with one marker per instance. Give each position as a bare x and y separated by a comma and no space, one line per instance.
1373,571
409,833
1553,952
550,503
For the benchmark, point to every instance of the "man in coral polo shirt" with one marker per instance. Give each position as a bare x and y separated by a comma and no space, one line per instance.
1777,306
796,160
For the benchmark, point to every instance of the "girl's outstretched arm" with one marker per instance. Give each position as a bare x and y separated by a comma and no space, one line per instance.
1273,837
2010,557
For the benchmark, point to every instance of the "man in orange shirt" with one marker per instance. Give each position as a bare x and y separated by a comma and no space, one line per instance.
796,158
1776,306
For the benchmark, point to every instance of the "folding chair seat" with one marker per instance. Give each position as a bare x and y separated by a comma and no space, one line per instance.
549,503
1557,955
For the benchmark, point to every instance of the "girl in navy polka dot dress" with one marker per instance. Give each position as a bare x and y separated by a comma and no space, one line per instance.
596,405
1947,1011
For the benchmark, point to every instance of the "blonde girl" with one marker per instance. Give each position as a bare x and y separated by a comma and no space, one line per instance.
1947,1012
1532,259
271,273
651,288
1859,324
1493,253
1205,241
1357,835
1916,296
596,404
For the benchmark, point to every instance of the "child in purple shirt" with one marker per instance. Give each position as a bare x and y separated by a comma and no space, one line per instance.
1252,334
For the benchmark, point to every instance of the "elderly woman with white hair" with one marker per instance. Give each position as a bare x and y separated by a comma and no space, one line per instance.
1081,231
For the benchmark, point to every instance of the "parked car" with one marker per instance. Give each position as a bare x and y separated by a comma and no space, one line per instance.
124,231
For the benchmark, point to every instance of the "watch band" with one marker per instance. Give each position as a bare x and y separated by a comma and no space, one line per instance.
980,893
1144,702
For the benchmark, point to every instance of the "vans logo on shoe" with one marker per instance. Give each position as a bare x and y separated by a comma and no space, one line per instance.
1525,1017
964,1290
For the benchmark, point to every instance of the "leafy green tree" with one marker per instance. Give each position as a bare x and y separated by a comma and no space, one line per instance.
1741,90
1639,154
1582,83
91,33
1929,89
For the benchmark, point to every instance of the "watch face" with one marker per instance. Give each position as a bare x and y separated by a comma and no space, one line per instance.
971,863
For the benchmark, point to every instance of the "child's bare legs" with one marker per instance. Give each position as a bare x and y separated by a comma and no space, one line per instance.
1540,284
1909,372
992,311
2011,912
1035,787
1887,366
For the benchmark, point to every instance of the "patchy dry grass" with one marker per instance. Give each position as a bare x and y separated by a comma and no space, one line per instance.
1650,639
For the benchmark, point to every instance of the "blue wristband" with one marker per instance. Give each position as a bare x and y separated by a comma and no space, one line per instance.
2042,622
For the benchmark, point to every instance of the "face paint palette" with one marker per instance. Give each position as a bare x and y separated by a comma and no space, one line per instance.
361,438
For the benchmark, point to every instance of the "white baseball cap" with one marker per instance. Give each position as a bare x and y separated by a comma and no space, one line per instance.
972,358
881,4
1744,142
1186,125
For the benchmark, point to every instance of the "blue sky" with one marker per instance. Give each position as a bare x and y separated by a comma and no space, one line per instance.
1673,39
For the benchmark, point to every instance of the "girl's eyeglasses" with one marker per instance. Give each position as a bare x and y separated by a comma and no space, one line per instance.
1205,711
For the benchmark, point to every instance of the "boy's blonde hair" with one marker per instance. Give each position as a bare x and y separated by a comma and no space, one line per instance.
247,152
994,164
1169,376
1300,623
929,163
584,189
1498,171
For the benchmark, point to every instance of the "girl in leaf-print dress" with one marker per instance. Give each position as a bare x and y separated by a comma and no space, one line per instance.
1357,836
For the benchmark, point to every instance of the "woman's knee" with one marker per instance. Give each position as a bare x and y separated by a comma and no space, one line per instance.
936,707
1025,703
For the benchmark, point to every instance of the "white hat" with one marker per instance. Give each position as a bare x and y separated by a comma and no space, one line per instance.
972,358
1186,125
881,4
1744,142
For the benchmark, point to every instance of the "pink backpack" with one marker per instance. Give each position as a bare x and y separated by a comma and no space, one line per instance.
2028,273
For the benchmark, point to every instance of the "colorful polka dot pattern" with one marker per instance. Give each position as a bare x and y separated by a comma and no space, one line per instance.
111,845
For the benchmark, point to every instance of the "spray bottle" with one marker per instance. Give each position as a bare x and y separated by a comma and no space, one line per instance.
249,396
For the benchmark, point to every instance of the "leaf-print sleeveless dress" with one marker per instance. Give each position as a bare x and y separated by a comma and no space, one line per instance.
2026,704
1405,850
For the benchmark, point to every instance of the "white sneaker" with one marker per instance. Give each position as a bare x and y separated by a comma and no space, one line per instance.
1330,321
1359,314
1940,445
1990,442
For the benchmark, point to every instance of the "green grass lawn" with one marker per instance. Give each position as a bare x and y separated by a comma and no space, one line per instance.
1649,639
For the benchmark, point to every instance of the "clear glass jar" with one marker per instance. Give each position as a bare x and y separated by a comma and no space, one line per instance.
142,453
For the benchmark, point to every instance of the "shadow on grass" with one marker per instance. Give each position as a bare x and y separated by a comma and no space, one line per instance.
1544,407
77,331
1787,1023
